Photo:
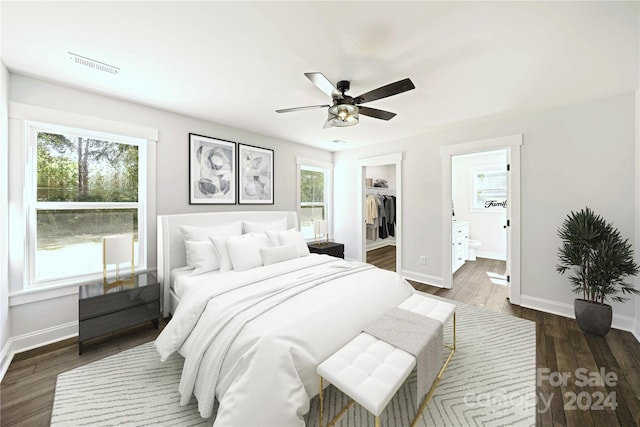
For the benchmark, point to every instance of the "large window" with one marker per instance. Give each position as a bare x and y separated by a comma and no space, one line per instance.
83,185
314,196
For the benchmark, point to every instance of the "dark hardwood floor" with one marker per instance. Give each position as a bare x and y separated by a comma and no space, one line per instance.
384,257
27,390
561,348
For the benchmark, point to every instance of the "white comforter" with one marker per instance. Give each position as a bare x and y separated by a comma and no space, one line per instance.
253,339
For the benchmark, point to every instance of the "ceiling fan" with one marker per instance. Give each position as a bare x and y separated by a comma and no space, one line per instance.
345,109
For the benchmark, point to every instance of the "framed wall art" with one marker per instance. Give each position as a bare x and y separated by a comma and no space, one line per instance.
212,174
255,175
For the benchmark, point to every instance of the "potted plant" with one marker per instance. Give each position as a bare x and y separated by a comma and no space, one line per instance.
600,260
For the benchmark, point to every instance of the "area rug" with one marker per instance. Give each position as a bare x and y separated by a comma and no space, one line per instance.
491,381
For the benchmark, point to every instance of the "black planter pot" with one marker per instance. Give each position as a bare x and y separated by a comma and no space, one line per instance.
593,318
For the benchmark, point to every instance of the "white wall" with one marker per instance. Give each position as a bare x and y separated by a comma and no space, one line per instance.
572,156
488,225
29,326
636,329
386,172
4,225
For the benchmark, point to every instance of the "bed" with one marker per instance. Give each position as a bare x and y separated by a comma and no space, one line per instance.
253,337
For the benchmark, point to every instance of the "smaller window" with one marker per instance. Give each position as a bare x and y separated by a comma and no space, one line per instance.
489,189
314,192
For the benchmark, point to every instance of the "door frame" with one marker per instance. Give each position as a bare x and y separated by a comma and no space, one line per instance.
388,159
511,144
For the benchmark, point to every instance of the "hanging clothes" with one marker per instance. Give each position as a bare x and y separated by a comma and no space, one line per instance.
372,210
393,210
380,217
372,218
390,208
383,231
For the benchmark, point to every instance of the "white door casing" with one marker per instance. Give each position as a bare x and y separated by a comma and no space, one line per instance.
511,144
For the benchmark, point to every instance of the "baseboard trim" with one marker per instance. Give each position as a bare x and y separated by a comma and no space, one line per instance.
43,337
380,244
636,330
491,255
625,323
423,278
6,356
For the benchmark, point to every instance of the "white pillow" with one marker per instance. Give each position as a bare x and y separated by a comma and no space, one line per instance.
278,253
201,256
192,232
273,237
279,238
245,253
221,245
261,227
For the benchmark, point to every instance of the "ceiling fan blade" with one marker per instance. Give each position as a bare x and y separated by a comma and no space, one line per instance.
310,107
385,91
375,113
323,84
327,124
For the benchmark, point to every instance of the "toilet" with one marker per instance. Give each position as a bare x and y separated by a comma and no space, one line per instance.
473,245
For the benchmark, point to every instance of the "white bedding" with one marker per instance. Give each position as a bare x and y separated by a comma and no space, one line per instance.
267,375
182,280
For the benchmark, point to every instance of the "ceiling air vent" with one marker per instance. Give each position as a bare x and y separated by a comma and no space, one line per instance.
93,63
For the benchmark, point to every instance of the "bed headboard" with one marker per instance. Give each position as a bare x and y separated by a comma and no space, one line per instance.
171,251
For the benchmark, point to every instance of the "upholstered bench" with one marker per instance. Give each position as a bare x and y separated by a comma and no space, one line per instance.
371,371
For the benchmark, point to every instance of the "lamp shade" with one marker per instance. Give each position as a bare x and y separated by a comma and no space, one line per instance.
320,226
117,248
343,115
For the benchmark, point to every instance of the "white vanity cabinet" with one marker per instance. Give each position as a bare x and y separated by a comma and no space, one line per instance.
459,244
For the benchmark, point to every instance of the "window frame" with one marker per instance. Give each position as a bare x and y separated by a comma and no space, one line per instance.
327,169
473,173
32,205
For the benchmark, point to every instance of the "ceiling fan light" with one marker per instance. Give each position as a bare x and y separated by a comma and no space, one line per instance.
343,115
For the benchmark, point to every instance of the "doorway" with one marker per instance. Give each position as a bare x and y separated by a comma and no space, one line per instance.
479,218
380,216
380,191
510,146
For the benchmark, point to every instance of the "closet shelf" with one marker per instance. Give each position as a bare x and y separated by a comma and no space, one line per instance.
381,190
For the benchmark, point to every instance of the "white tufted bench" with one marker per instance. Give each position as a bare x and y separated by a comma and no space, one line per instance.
371,371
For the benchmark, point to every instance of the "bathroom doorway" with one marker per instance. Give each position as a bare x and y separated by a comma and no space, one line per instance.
479,218
511,225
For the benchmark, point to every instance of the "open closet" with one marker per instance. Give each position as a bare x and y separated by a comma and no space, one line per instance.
381,215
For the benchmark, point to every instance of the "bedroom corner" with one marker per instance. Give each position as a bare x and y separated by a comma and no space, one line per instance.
5,342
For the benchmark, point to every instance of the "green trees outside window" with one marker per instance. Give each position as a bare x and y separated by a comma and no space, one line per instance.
85,188
312,199
77,169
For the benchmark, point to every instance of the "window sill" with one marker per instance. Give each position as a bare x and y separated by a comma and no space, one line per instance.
488,210
28,296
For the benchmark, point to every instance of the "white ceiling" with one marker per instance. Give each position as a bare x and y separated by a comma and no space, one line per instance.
235,63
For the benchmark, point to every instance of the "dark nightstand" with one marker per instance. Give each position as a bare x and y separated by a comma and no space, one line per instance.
331,248
103,310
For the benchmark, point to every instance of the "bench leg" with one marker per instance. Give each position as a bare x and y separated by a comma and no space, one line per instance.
341,413
377,421
338,416
437,380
